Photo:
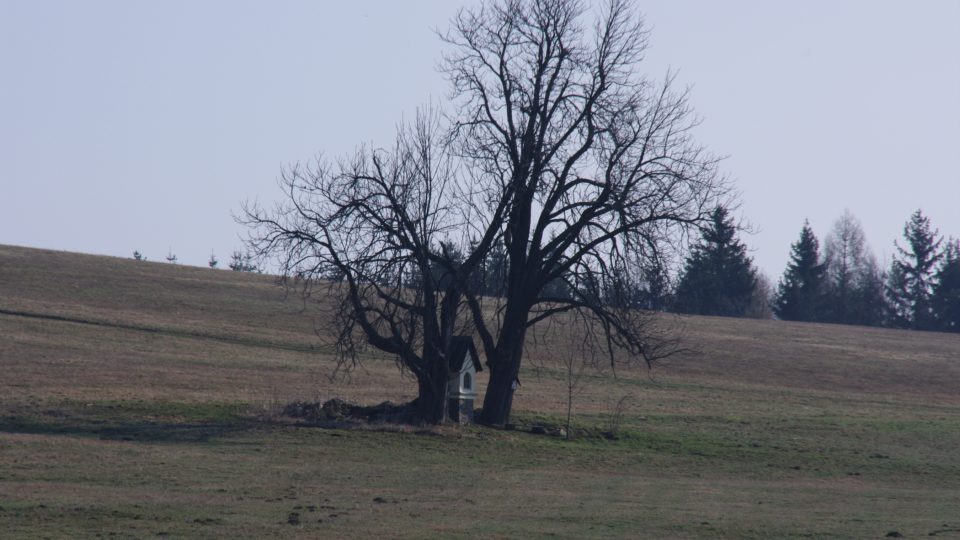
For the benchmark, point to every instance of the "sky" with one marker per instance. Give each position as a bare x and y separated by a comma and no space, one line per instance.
134,125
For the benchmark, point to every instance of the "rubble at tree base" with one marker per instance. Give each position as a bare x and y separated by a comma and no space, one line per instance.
340,411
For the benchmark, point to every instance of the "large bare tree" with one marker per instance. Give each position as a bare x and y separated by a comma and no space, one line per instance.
556,147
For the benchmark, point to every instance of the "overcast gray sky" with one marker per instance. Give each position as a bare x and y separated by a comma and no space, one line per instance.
142,125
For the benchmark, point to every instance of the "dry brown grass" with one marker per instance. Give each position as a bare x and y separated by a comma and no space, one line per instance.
151,421
204,334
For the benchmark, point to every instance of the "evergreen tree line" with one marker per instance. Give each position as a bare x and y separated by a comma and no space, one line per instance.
239,261
841,284
844,284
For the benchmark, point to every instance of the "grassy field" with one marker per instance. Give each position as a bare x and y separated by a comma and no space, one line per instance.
140,400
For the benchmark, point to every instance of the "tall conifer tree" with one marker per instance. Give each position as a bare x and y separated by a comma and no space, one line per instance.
800,293
910,284
719,277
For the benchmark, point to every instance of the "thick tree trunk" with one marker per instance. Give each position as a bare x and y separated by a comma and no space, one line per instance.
431,406
499,397
505,368
498,401
432,403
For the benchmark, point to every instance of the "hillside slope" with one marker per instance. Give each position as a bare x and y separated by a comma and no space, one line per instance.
229,320
172,372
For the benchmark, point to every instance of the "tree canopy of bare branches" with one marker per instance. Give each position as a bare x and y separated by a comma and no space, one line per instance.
555,149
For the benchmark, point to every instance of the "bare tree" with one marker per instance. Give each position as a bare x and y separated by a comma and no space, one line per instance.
556,148
574,353
582,163
373,227
848,260
761,301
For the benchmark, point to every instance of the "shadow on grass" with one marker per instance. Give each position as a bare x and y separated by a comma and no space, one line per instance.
142,431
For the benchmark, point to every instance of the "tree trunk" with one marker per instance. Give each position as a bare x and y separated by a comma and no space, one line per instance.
498,401
431,405
505,368
499,396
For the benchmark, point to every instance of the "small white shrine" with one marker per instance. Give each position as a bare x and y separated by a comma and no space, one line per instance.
462,385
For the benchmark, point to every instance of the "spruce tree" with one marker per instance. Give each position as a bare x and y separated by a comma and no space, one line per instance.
242,262
910,284
800,291
946,292
718,277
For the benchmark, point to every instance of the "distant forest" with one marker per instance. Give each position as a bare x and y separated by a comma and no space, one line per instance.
840,283
844,284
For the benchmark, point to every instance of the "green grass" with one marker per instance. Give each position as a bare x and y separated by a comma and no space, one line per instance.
151,424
